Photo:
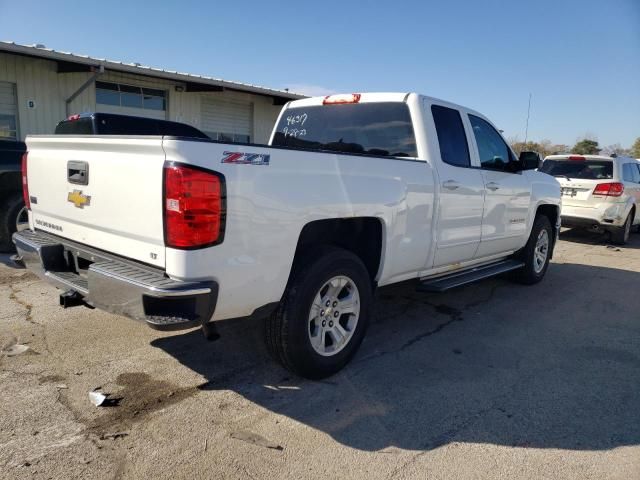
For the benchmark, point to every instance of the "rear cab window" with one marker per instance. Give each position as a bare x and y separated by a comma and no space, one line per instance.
377,129
580,167
452,139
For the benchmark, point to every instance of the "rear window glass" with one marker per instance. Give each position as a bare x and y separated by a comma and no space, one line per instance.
383,129
82,126
584,169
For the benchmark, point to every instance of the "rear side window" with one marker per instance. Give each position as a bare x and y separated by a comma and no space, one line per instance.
381,129
454,148
630,173
583,169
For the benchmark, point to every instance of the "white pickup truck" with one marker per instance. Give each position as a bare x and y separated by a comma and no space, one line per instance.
353,192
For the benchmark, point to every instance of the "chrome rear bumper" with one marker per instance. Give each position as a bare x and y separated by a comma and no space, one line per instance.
115,284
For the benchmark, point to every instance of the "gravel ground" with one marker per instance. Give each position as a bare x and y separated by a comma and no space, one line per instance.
493,380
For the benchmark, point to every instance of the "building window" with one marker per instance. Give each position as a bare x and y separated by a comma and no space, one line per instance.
228,137
127,96
8,112
8,127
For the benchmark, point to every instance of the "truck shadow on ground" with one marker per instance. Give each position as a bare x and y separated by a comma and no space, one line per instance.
555,365
587,237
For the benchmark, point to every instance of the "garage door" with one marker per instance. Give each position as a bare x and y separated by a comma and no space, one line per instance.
131,100
8,111
227,120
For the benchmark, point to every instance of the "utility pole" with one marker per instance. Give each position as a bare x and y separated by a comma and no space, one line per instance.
526,131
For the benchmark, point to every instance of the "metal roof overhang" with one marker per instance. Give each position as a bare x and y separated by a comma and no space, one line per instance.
69,62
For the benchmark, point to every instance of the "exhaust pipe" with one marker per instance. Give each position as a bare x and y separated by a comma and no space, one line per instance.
71,298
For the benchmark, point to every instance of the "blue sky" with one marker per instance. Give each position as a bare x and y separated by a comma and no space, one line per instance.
580,59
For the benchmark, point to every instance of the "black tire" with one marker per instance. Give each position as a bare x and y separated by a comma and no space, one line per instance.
531,273
287,329
620,235
10,208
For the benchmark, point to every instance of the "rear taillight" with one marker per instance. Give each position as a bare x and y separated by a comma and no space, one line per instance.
577,158
25,182
194,207
614,189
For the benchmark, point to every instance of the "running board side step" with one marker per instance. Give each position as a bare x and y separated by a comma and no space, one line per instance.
441,284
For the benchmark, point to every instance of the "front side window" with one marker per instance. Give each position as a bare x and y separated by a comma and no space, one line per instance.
494,152
381,129
454,149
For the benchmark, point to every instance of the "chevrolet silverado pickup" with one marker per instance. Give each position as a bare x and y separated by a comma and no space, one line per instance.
352,193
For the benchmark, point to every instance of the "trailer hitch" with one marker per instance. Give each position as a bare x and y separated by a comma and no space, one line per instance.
71,298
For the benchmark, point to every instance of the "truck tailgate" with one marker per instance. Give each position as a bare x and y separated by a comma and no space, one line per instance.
115,206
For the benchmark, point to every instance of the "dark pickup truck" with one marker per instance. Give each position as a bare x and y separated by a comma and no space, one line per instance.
113,124
13,215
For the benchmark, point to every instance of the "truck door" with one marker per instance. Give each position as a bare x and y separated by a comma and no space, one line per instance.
461,189
508,192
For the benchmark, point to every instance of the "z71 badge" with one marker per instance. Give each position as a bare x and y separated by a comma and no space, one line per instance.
246,158
79,199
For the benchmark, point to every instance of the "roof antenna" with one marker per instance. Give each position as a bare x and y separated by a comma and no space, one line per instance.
526,131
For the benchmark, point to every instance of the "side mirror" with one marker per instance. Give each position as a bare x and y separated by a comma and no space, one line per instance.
529,160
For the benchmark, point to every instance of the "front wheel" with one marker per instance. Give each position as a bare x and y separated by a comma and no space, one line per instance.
536,253
323,315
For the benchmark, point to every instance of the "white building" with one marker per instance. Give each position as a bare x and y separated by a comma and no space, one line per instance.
39,87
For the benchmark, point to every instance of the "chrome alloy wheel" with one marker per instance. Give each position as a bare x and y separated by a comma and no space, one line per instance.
334,315
541,252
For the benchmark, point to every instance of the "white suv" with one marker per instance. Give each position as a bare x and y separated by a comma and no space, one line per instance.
598,192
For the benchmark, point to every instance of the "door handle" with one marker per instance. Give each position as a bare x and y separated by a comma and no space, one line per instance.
450,184
493,186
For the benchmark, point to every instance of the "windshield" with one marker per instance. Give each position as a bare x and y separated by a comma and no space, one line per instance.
382,129
582,169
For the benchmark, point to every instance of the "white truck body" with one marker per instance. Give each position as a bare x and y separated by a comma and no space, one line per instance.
435,217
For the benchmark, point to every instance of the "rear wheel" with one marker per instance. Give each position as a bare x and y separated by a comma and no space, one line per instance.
323,315
620,235
13,217
536,253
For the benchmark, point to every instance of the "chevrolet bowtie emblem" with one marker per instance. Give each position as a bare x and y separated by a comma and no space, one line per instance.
78,199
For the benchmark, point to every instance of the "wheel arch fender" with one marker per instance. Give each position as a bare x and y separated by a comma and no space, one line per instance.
364,236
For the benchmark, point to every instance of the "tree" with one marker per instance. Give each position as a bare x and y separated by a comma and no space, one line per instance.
586,147
616,149
543,147
635,148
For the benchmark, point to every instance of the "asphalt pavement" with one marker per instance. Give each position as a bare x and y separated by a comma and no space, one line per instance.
493,380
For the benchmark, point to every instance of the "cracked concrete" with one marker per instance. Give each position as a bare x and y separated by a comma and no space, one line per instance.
494,380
